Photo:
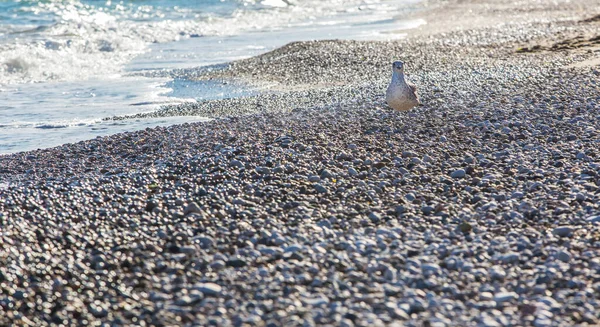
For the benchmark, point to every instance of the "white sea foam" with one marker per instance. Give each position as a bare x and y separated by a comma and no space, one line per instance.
88,40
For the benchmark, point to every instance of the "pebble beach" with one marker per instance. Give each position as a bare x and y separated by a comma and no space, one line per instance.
315,204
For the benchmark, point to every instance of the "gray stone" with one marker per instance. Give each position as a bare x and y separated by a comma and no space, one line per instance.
503,297
431,267
206,242
374,217
593,219
320,188
263,170
563,231
209,289
459,173
564,256
236,163
192,207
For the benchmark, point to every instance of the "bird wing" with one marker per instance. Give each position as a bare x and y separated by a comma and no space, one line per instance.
413,88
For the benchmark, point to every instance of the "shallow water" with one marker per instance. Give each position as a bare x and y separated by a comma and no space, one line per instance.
67,65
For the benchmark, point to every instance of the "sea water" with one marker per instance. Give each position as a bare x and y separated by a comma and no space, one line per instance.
67,65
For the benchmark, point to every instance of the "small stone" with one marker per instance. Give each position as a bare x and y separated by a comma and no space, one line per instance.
427,209
562,231
184,301
159,297
206,242
542,322
326,174
485,296
209,289
320,188
400,210
192,207
517,195
512,257
374,217
236,263
97,311
431,267
459,173
564,256
236,163
497,272
593,219
293,248
187,249
217,265
317,301
314,178
503,297
465,227
352,171
201,191
263,170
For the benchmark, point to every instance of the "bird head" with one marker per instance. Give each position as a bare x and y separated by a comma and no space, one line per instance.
398,66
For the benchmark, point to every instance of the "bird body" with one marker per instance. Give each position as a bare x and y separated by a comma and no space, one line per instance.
400,94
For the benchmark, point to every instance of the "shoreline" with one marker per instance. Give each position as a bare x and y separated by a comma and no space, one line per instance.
317,205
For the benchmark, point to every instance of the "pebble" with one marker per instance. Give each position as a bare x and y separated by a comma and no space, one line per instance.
459,173
374,217
593,219
209,289
564,256
503,297
192,207
263,170
563,231
320,188
236,163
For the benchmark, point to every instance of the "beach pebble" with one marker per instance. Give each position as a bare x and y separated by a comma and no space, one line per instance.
236,163
593,219
374,217
459,173
209,289
564,256
320,188
503,297
192,207
263,170
563,231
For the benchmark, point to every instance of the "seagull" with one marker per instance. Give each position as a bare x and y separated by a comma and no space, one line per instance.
401,95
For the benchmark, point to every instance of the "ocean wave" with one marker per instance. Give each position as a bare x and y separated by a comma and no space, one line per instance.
48,125
81,39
